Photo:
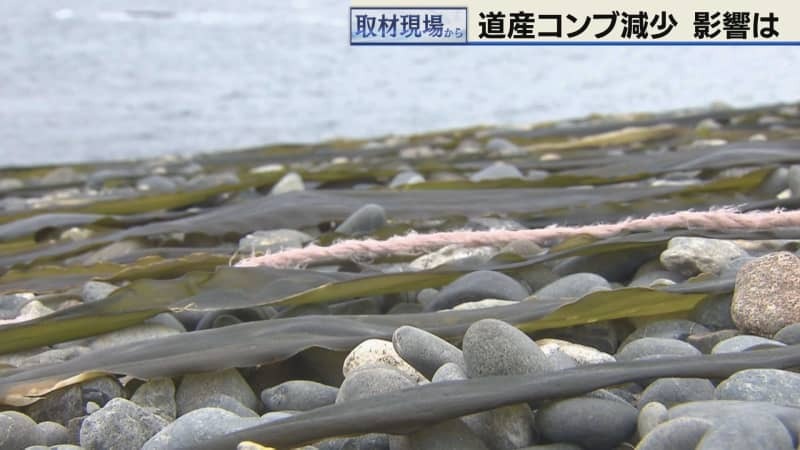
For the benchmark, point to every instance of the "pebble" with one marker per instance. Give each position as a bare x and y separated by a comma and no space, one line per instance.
270,241
743,343
496,171
476,286
714,313
18,431
780,387
365,220
582,355
378,352
766,296
372,381
424,351
120,424
58,406
705,342
762,431
10,305
671,391
449,372
679,329
298,395
54,433
651,347
197,426
481,304
157,394
589,422
454,255
447,435
692,255
197,389
291,182
789,335
101,390
683,433
405,179
492,347
651,415
573,286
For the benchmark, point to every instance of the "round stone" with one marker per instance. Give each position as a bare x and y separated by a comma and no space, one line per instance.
675,434
651,415
476,286
766,295
649,347
573,286
779,387
377,352
426,352
365,220
692,255
744,342
372,381
493,347
298,395
588,422
671,391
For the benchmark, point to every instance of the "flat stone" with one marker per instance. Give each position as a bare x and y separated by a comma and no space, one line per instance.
496,171
651,415
291,182
197,426
588,422
583,355
372,381
195,389
671,391
766,296
675,434
692,255
650,348
780,387
18,431
492,347
374,352
298,395
365,220
573,286
743,343
159,395
747,433
424,351
120,424
476,286
714,313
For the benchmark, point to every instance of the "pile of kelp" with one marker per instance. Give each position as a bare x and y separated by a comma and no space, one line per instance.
169,247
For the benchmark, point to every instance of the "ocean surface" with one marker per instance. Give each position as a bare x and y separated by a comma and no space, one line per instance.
97,79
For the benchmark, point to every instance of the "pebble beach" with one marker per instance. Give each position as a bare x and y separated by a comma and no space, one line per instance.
136,312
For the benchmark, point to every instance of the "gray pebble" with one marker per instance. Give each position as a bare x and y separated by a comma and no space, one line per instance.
426,352
650,347
671,391
705,342
651,415
426,296
18,431
54,433
496,171
291,182
670,329
445,436
492,347
94,291
120,424
197,426
449,372
749,432
298,395
372,381
573,286
714,312
789,335
692,255
588,422
476,286
58,406
744,342
780,387
720,410
365,220
158,394
683,433
227,403
195,389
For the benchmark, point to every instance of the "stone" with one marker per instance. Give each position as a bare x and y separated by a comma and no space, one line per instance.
101,390
197,426
447,435
780,387
372,381
714,313
692,255
365,220
58,406
405,179
156,184
449,372
651,415
158,394
136,333
766,295
18,431
54,433
195,389
475,286
120,424
270,241
651,348
671,391
291,182
506,428
747,433
298,395
374,352
588,422
453,255
424,351
496,171
481,304
617,266
603,336
721,410
705,342
789,335
227,403
573,286
10,305
492,347
678,329
743,343
582,355
683,433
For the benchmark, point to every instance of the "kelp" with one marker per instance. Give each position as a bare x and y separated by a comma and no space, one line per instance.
270,341
415,408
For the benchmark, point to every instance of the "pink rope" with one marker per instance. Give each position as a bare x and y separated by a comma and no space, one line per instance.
416,244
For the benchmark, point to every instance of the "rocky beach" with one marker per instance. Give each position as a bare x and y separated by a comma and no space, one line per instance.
261,298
